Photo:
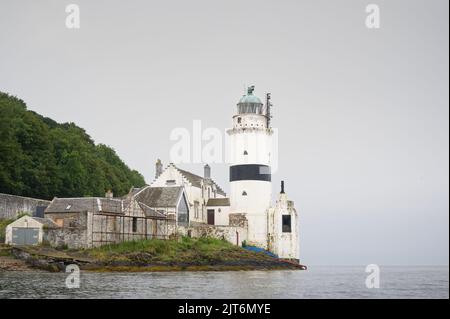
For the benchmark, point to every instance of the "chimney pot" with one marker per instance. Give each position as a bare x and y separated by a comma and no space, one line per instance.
207,171
158,168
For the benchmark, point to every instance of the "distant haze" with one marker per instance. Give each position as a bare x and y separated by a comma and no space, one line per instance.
362,113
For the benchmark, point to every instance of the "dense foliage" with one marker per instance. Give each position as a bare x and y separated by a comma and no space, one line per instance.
42,158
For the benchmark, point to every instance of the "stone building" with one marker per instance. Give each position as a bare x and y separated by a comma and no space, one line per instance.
92,221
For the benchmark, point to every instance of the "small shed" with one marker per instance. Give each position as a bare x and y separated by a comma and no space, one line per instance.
218,210
27,230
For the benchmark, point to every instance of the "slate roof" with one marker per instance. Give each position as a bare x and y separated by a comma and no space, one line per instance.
196,180
160,196
84,204
218,202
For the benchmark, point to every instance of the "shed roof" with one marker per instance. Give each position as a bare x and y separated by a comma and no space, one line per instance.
218,202
43,221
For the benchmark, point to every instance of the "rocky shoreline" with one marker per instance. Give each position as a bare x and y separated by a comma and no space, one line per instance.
52,260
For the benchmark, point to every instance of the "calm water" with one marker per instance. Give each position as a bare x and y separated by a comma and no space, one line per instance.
316,282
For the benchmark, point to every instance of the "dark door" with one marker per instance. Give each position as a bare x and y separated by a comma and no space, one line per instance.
25,236
210,216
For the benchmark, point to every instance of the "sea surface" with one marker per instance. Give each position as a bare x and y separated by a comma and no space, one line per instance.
316,282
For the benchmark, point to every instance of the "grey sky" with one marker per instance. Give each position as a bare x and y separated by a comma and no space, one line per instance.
362,114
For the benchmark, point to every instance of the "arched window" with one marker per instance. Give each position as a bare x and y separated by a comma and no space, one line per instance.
244,193
245,153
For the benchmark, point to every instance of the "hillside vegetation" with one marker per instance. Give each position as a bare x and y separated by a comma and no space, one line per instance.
42,158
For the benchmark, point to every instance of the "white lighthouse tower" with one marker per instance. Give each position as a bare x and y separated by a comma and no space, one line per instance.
250,162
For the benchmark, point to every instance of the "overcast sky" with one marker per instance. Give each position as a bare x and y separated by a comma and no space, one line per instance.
362,113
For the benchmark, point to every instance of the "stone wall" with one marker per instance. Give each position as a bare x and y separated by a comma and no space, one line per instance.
73,233
71,220
238,220
71,237
11,205
232,234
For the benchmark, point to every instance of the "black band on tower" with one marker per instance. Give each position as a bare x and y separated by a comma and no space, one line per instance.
250,172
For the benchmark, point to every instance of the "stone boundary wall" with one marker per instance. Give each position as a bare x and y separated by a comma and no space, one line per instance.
232,234
72,237
12,205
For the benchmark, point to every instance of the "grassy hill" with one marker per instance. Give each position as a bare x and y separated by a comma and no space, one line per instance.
42,158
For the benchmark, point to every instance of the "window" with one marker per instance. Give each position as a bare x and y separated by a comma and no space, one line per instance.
170,182
59,222
245,153
239,120
183,212
286,223
134,224
196,204
244,193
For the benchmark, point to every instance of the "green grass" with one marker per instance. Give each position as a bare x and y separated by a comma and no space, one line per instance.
186,250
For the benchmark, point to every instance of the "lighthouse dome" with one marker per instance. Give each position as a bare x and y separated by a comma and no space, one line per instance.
250,103
250,98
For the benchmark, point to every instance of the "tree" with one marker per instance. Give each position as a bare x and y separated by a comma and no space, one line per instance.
42,158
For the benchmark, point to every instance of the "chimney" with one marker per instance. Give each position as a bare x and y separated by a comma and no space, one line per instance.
158,168
207,172
282,187
109,194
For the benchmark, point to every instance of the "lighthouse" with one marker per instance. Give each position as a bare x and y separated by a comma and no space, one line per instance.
250,165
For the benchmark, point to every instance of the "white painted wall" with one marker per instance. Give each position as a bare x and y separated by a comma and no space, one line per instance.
193,194
285,245
256,141
221,215
23,222
251,134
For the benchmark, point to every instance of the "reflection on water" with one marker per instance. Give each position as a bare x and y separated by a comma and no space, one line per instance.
316,282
